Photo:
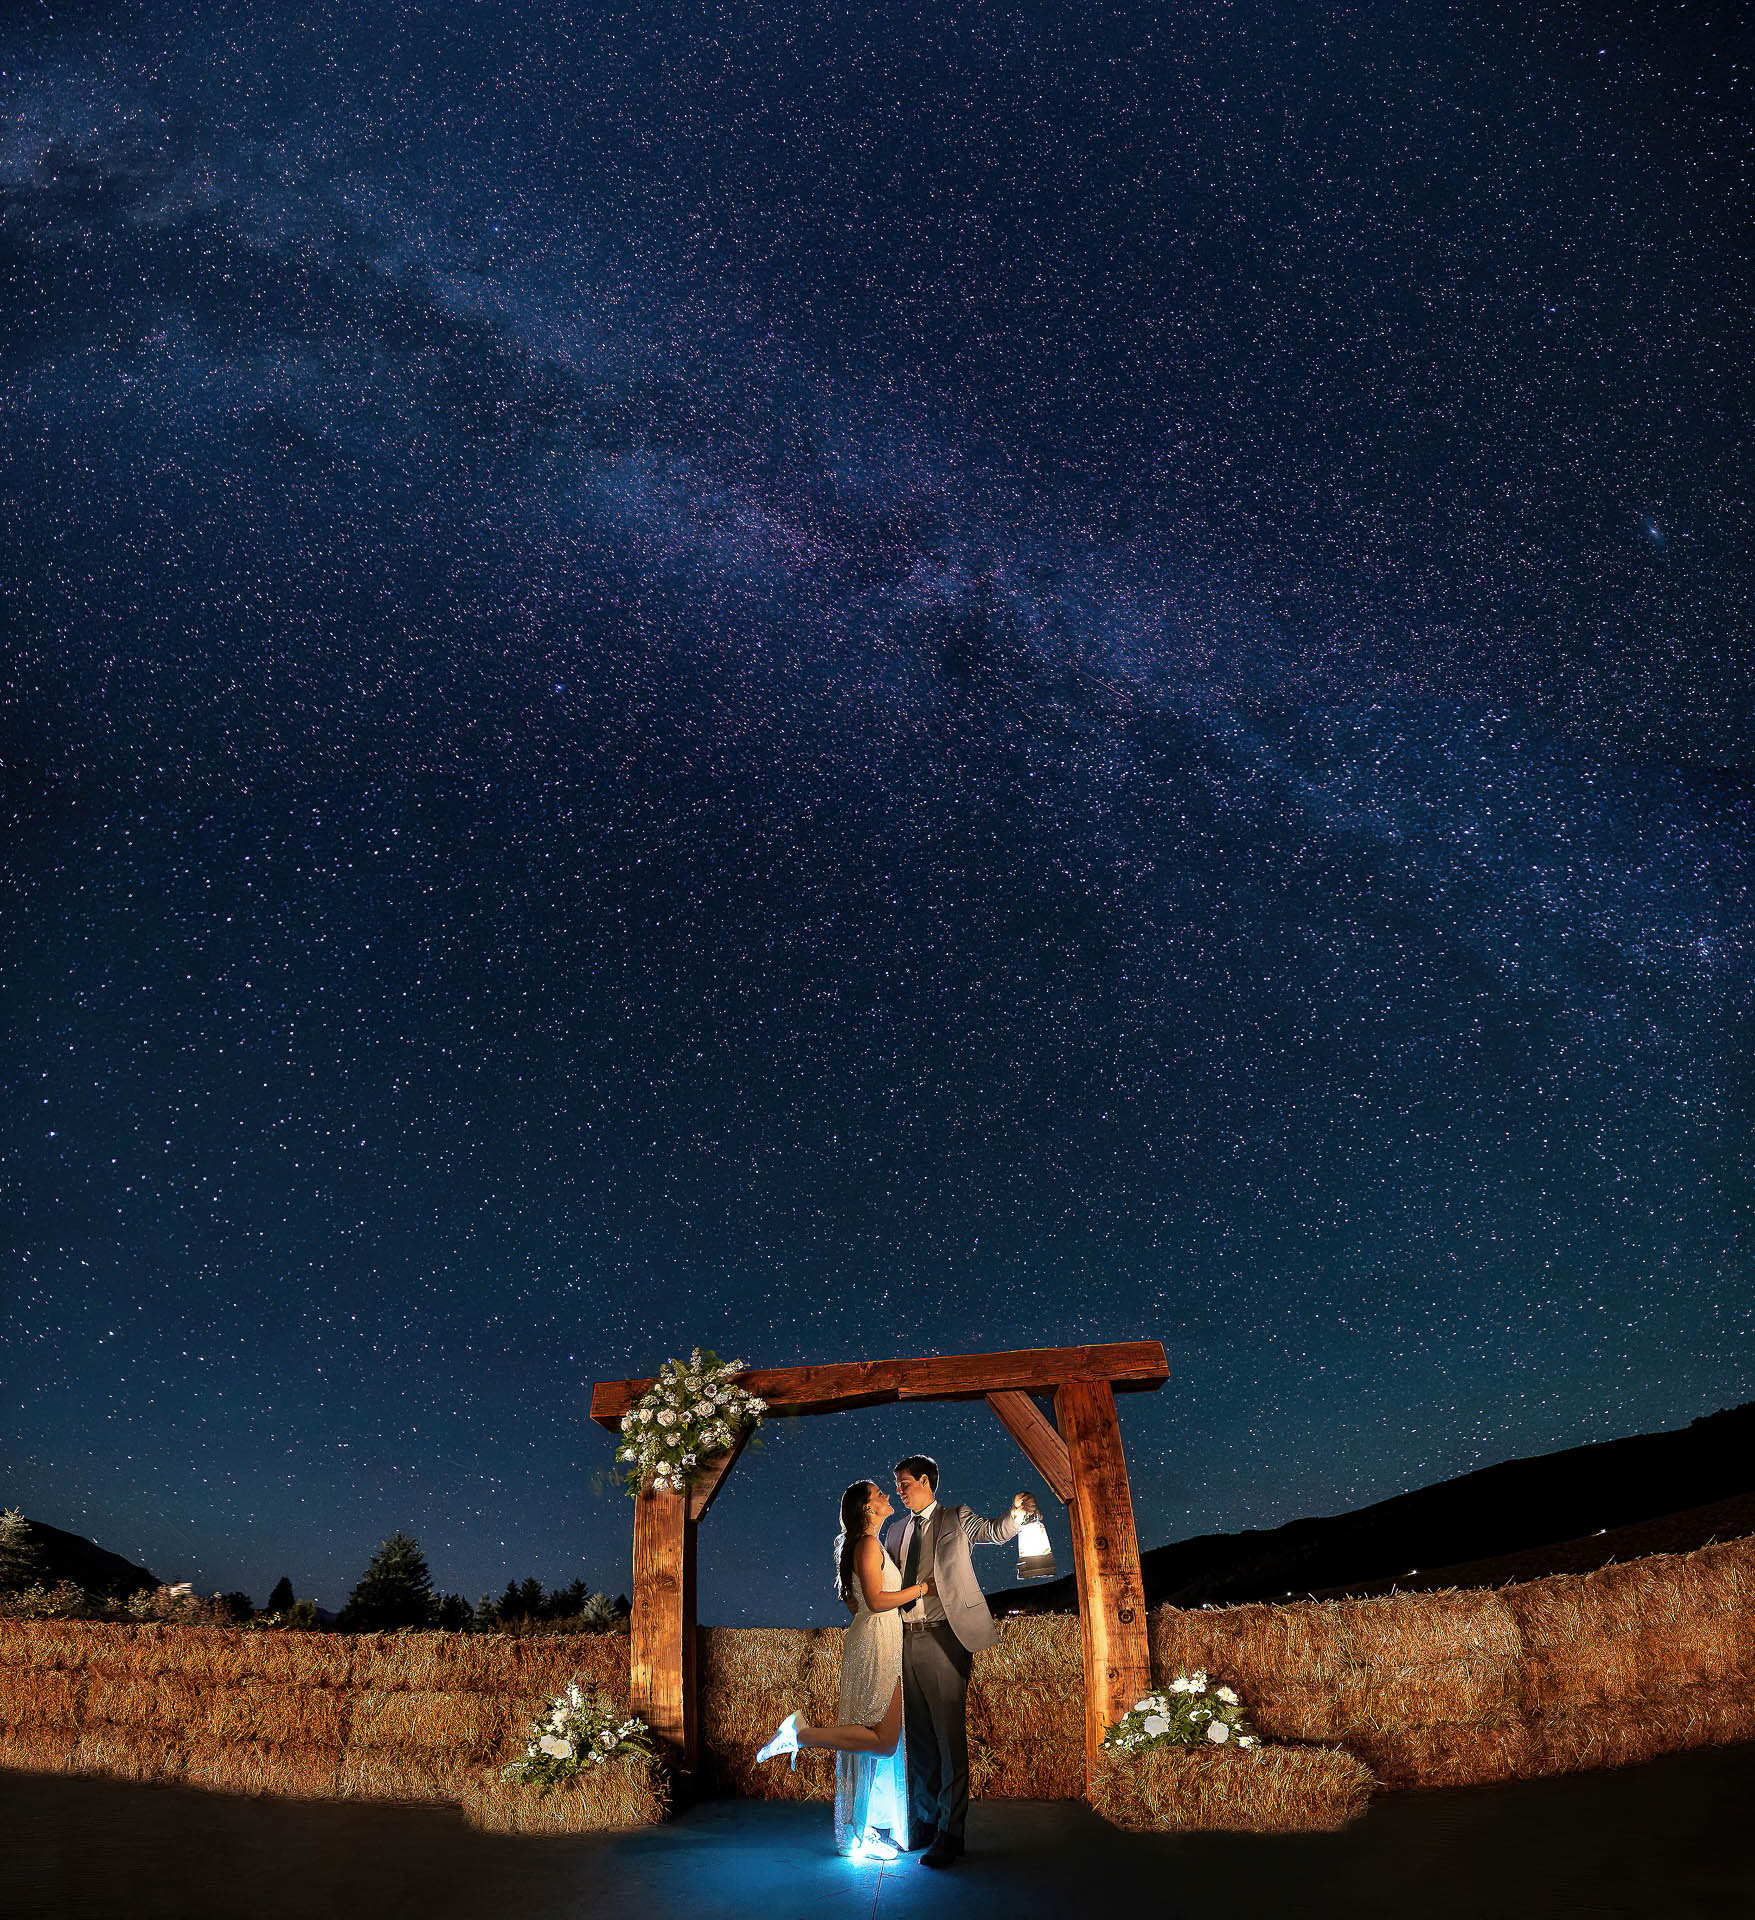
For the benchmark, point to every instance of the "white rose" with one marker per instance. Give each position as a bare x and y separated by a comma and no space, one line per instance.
645,1416
1218,1733
1146,1705
555,1748
666,1418
627,1421
704,1409
1247,1740
1179,1684
1156,1724
660,1484
1229,1698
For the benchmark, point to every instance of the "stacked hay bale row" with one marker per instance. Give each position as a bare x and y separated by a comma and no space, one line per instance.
1428,1689
748,1680
1467,1688
310,1716
1026,1710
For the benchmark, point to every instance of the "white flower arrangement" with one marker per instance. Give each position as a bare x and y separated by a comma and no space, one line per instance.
1187,1713
692,1412
578,1730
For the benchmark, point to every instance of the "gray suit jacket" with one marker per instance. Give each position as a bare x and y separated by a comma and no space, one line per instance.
953,1571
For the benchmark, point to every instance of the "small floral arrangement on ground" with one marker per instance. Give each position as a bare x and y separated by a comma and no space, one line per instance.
692,1411
579,1730
1188,1713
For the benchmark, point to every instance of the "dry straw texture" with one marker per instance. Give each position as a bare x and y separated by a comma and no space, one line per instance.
1429,1689
1273,1790
608,1800
309,1716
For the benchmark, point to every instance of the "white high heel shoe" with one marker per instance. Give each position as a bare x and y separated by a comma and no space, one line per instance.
784,1741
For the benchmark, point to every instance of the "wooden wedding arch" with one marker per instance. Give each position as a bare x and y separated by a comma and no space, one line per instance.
1078,1453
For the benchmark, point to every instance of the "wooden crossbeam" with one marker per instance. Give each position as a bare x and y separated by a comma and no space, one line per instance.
1127,1366
1034,1432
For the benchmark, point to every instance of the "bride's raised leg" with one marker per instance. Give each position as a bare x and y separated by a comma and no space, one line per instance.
879,1738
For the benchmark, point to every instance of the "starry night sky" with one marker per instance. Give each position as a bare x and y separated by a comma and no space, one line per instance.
854,683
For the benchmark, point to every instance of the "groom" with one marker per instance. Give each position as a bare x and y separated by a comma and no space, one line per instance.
941,1634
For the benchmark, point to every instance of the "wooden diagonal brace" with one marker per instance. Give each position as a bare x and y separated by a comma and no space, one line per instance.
1034,1432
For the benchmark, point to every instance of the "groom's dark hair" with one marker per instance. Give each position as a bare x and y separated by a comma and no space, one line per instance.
922,1466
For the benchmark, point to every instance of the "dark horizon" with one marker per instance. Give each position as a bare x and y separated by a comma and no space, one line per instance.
842,687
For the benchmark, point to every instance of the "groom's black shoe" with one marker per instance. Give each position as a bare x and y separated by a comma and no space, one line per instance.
946,1848
921,1838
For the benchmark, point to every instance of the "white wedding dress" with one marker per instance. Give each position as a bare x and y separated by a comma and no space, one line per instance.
871,1789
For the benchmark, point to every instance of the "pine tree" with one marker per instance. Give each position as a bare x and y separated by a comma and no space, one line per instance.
455,1614
487,1614
21,1560
570,1600
281,1599
396,1590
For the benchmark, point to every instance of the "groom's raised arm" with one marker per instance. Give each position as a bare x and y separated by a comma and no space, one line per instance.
991,1533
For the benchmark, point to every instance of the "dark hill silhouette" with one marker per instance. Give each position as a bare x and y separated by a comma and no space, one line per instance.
69,1556
1481,1518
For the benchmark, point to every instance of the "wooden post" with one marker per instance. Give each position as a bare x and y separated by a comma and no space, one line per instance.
661,1651
1106,1560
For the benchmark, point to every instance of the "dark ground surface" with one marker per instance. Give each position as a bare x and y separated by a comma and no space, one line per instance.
1672,1838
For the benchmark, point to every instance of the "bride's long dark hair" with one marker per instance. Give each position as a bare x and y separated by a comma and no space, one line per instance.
853,1505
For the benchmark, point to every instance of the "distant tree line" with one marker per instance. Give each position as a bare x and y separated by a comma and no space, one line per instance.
395,1592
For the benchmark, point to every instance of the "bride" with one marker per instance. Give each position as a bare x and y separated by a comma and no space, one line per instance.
871,1780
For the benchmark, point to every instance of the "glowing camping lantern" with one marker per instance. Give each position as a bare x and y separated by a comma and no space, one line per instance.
1035,1555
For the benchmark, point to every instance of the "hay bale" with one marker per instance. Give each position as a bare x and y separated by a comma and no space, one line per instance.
610,1799
750,1678
1272,1790
38,1749
296,1659
37,1697
1476,1754
1638,1630
1026,1742
465,1726
370,1775
500,1664
316,1717
163,1702
1327,1670
123,1754
264,1768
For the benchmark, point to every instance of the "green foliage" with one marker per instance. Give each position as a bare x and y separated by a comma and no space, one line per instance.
1190,1712
581,1729
692,1412
396,1590
20,1557
64,1601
